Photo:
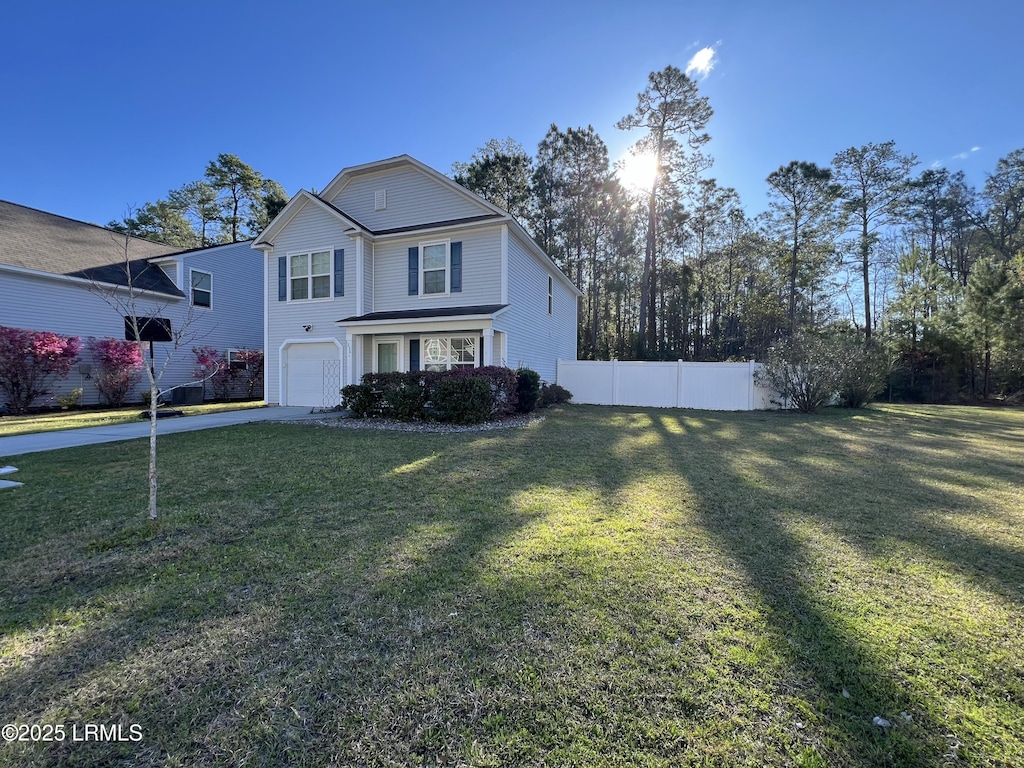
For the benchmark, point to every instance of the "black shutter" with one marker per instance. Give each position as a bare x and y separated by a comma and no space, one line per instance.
456,267
339,271
282,278
414,354
414,271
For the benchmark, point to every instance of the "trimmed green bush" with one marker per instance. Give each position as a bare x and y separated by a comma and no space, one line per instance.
406,400
463,399
553,394
414,396
504,384
363,400
528,389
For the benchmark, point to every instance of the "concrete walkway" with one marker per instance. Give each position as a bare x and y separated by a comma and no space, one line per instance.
69,438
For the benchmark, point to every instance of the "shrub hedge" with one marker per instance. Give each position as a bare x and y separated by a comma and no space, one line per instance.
418,395
462,399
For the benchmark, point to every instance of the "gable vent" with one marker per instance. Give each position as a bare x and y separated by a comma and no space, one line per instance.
380,200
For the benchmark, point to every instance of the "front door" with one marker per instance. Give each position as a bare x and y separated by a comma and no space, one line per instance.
386,355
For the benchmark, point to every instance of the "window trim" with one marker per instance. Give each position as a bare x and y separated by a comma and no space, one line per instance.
478,351
308,253
241,365
397,340
192,288
447,243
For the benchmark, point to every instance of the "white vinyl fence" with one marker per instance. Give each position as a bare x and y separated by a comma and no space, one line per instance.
709,386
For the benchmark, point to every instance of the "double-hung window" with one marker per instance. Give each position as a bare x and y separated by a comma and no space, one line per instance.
238,360
435,268
310,275
202,288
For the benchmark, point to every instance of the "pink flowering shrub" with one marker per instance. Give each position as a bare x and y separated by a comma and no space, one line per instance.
212,366
250,362
31,361
120,368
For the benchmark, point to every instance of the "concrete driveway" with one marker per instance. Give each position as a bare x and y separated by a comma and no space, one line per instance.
69,438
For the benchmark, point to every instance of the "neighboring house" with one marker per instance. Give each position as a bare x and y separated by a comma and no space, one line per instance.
395,267
54,271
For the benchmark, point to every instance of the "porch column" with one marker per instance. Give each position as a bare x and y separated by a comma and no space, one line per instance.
357,352
348,360
488,346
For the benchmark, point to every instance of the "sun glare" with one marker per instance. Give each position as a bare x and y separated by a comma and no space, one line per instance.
637,171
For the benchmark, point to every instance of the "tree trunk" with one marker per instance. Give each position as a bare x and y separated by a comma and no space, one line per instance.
645,338
792,277
865,252
154,394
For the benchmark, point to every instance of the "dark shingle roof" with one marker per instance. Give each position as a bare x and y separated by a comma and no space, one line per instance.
46,242
421,314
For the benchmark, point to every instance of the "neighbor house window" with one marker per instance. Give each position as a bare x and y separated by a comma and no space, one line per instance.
447,352
202,288
237,359
310,275
435,268
551,294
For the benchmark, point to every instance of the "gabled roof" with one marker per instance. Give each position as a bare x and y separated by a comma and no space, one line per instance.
347,174
491,212
45,242
300,200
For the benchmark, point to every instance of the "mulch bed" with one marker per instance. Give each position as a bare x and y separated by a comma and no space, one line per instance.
519,420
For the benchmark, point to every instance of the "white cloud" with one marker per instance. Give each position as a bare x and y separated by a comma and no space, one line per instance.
936,164
702,62
964,155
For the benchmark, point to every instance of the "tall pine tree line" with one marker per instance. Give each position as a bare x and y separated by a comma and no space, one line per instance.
921,263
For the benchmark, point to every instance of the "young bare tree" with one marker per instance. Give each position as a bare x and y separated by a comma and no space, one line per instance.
142,309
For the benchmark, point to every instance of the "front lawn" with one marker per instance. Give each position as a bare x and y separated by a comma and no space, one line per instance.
607,587
104,417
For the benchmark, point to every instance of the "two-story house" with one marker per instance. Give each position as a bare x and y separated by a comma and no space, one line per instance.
61,275
395,267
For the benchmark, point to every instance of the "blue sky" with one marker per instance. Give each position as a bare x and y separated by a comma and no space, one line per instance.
110,104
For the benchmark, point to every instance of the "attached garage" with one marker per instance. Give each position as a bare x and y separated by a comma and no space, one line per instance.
312,373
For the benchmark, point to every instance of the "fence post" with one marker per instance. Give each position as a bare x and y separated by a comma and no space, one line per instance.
679,384
615,381
750,385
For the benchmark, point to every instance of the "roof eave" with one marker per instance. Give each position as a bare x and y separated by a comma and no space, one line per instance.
300,200
414,320
338,182
86,282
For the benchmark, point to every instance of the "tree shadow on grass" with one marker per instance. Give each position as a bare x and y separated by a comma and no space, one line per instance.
268,624
380,599
755,495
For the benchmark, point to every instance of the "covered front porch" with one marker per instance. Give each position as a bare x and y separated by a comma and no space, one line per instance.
428,339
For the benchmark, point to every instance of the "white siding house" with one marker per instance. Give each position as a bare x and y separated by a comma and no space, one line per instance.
395,267
55,271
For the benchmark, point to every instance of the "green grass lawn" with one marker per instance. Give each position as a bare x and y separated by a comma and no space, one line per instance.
79,419
607,587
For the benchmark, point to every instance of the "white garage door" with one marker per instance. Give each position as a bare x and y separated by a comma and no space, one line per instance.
313,375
